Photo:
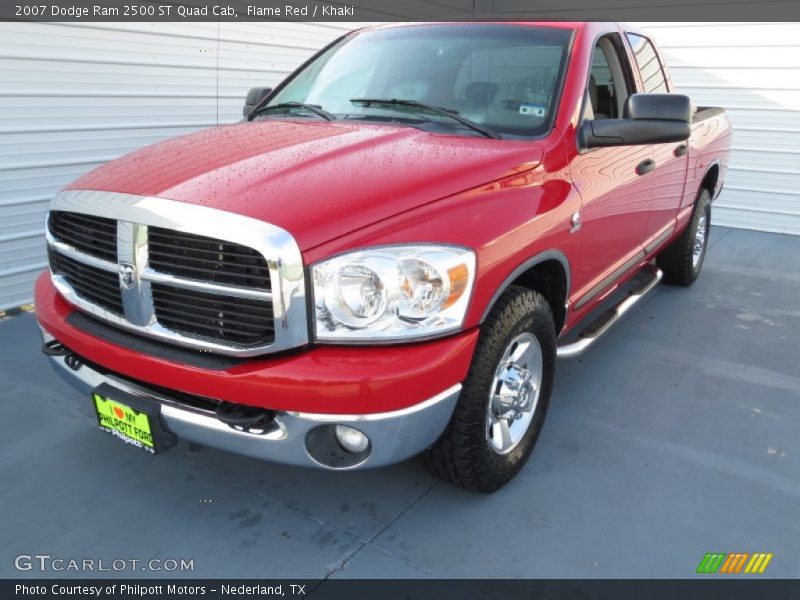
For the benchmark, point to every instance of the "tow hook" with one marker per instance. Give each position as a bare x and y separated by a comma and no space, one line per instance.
56,348
248,419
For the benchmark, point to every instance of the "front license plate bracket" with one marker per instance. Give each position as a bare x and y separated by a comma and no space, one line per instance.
132,418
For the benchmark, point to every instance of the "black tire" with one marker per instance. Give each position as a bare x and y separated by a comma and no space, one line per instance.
676,260
463,454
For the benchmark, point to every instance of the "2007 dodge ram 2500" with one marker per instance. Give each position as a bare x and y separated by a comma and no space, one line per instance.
387,255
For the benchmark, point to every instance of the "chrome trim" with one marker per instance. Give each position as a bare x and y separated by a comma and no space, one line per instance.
659,239
69,251
135,213
575,222
582,344
209,288
394,414
609,280
394,436
137,299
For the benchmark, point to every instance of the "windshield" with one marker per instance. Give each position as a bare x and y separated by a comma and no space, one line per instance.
505,77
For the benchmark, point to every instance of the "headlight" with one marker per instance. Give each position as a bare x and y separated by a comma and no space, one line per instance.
392,293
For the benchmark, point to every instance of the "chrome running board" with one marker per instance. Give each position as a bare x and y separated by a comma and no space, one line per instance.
607,319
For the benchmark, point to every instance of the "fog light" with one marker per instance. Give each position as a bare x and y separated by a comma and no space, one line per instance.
351,439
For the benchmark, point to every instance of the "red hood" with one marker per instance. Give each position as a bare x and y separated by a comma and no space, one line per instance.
317,180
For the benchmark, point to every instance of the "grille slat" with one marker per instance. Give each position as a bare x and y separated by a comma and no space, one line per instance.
222,325
179,307
197,256
85,230
77,276
97,291
96,236
219,276
90,221
87,280
177,315
217,261
183,297
213,330
206,248
107,301
95,285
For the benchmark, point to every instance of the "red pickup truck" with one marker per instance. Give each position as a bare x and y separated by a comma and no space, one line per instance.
388,254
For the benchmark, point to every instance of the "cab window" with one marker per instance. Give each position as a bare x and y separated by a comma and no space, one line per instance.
649,66
610,81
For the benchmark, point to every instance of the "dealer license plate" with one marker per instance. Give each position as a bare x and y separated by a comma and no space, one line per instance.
130,425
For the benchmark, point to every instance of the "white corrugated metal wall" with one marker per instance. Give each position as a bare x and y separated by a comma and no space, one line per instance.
753,70
75,95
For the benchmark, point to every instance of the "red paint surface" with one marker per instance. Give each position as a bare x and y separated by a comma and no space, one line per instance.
315,179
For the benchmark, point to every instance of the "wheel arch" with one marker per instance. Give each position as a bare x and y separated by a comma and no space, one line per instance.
549,274
710,179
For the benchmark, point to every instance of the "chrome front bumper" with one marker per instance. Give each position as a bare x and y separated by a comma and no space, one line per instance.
295,438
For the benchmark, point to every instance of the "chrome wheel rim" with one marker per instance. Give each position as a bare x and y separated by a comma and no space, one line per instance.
699,241
515,392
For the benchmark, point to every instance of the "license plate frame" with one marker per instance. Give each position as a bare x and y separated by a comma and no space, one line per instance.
132,418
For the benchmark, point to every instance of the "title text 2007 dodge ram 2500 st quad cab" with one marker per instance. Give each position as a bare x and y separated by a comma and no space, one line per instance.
386,257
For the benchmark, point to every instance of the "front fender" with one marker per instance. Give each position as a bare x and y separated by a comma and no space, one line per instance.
511,224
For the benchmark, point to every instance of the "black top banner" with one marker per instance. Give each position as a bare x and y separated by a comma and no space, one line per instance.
399,10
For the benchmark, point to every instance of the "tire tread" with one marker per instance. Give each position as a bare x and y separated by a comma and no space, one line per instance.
456,457
676,259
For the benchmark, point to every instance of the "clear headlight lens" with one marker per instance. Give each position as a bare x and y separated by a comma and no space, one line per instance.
392,293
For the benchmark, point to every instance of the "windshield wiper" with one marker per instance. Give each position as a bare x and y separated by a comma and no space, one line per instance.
445,112
314,108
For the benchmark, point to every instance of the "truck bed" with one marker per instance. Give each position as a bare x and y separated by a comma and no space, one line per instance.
702,113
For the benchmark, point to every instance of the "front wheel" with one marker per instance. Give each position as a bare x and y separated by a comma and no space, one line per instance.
504,399
682,260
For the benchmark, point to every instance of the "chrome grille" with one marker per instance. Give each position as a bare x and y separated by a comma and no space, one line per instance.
186,274
95,285
95,236
236,320
200,257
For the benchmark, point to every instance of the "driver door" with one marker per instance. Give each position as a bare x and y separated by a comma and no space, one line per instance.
615,183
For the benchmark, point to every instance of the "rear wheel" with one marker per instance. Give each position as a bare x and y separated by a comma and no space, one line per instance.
504,400
682,260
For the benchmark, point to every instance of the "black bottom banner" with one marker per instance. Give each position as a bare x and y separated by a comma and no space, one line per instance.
395,589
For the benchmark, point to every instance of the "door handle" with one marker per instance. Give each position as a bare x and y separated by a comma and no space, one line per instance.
681,150
645,166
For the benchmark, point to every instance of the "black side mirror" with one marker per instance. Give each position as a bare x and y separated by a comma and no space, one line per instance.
669,107
253,98
649,119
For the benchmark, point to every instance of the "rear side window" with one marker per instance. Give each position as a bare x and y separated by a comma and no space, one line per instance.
648,63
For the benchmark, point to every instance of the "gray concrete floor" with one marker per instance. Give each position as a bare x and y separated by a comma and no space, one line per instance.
676,436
